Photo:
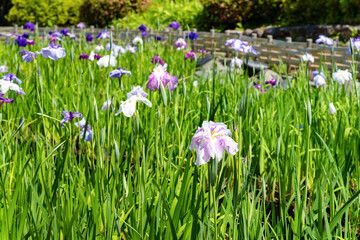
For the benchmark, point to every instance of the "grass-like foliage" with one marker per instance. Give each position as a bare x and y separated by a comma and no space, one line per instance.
295,175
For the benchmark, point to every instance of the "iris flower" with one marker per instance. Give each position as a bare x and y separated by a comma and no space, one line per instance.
98,48
118,73
325,40
332,109
69,116
356,44
210,141
5,86
236,62
137,91
319,81
5,100
192,36
341,76
29,25
174,25
160,75
106,60
316,72
81,25
142,28
130,48
89,38
307,57
53,52
11,77
106,105
128,107
94,56
103,35
157,59
28,56
88,134
4,68
191,55
65,32
137,40
180,44
20,41
83,56
145,34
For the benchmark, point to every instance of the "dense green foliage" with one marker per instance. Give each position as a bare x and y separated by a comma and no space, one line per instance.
45,13
296,174
161,13
101,13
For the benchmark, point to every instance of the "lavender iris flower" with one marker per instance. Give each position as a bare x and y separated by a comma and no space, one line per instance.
11,77
236,44
53,52
103,35
157,59
145,34
69,116
202,51
356,44
83,56
118,73
210,141
81,25
142,28
191,55
137,91
174,25
325,40
82,125
236,62
192,36
20,41
130,48
316,72
259,87
160,75
89,38
29,25
28,56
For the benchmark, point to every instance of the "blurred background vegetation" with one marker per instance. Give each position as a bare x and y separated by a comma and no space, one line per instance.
202,14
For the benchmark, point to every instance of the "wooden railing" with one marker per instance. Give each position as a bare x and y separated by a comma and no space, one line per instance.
270,50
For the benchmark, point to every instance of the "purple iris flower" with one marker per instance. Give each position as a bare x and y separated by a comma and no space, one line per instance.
118,73
89,38
356,44
180,44
11,77
83,56
97,56
259,87
20,41
271,82
316,72
69,116
137,91
53,52
145,34
103,35
192,36
160,75
81,25
5,100
30,42
65,32
29,25
210,141
157,59
28,56
236,44
174,25
7,41
157,38
142,28
248,49
25,35
325,40
191,55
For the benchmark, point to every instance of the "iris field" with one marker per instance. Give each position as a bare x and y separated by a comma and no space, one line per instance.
293,172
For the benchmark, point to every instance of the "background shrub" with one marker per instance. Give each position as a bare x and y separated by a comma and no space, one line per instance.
161,13
45,12
102,12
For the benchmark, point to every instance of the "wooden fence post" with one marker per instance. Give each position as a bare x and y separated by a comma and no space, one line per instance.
268,49
92,28
309,42
15,28
227,33
213,40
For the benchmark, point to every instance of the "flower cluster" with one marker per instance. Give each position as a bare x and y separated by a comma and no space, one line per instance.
241,46
326,40
180,44
161,76
210,141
